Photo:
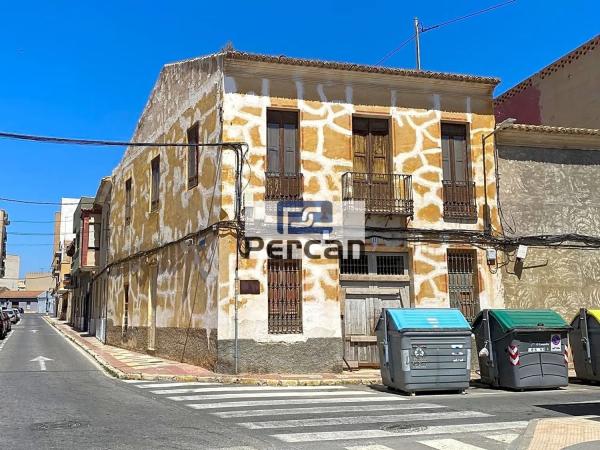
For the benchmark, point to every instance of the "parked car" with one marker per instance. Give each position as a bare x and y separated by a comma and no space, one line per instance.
8,321
11,314
17,313
4,324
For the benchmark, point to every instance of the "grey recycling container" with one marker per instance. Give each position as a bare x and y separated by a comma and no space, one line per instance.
585,344
522,349
422,349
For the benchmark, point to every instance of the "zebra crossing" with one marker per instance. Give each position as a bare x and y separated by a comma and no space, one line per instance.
340,416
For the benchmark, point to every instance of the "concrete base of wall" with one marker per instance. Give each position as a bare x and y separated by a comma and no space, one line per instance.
195,346
318,355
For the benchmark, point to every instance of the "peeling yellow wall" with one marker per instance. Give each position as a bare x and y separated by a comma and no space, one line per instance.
187,274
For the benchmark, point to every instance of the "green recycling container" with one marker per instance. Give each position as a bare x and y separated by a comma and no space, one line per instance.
522,348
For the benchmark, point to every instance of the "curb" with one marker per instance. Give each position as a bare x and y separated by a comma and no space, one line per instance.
225,379
525,438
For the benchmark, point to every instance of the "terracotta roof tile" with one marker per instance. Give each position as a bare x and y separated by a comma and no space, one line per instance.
19,294
234,54
554,130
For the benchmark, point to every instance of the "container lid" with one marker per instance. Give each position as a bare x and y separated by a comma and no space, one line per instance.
402,319
510,319
595,313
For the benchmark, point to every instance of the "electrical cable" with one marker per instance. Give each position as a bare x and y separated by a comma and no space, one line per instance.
467,16
396,50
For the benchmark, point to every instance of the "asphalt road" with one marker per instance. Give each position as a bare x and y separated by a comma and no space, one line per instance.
73,404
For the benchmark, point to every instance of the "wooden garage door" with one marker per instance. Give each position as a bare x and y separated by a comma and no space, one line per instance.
373,282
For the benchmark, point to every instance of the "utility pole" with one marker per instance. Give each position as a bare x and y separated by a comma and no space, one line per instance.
417,42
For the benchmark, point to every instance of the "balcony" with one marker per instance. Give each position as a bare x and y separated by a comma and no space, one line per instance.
283,186
383,193
459,200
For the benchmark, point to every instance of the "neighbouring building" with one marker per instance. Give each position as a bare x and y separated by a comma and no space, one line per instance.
563,94
99,302
12,267
4,222
550,198
83,251
61,262
408,143
39,281
28,300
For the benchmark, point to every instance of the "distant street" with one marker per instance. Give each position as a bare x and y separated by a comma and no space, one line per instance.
55,397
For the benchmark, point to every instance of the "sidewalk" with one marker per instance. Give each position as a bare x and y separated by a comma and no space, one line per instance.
559,433
130,365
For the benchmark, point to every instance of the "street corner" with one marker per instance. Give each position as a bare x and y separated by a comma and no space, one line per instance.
559,433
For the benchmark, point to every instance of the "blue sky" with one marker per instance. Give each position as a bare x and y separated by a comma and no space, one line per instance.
85,69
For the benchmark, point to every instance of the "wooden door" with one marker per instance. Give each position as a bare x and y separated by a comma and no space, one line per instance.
364,299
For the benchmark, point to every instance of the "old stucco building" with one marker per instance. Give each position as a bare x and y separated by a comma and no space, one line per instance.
406,142
549,196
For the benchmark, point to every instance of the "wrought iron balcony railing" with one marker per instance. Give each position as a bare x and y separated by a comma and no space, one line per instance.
283,186
383,193
459,200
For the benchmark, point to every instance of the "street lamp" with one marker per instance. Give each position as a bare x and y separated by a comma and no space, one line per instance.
486,209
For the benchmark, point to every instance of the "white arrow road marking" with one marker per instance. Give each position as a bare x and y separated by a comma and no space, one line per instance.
42,360
34,331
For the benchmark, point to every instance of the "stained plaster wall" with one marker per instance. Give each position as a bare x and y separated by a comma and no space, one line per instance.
552,191
326,101
187,276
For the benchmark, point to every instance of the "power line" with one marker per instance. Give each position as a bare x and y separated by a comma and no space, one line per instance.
35,202
108,143
440,25
32,221
396,50
467,16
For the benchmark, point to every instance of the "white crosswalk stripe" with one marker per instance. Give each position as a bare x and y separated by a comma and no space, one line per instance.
195,398
371,434
449,444
328,421
323,410
291,401
338,413
241,389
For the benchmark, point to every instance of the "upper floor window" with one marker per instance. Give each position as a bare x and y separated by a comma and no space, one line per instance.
155,183
193,137
128,201
455,159
371,145
458,189
283,178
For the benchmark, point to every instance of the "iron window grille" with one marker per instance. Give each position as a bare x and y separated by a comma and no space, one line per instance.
462,282
284,280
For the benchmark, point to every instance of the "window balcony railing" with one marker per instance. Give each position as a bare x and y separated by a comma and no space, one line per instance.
459,200
383,193
283,186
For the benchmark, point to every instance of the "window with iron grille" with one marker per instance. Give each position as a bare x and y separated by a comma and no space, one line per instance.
390,264
284,279
355,265
128,201
371,263
462,282
193,137
155,178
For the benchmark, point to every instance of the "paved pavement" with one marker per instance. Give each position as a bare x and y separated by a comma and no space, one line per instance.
127,364
74,404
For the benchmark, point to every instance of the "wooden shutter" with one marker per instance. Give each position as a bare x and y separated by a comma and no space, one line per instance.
273,142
